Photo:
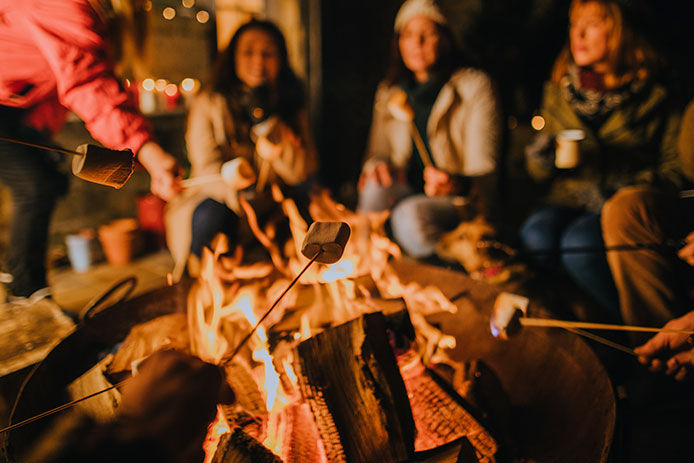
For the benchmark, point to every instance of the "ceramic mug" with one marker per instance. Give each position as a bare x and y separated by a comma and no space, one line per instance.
567,154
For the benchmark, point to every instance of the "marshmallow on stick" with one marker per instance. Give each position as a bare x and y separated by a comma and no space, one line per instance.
328,237
402,111
237,173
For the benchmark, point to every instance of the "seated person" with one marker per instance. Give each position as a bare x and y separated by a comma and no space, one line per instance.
603,85
654,285
253,108
427,94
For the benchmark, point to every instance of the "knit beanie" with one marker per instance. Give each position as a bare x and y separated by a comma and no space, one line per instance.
412,8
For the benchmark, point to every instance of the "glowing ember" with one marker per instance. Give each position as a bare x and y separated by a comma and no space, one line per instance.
214,431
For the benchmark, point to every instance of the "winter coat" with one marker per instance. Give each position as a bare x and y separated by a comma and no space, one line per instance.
635,144
53,57
210,143
464,127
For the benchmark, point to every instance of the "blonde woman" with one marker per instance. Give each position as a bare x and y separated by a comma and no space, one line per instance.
604,87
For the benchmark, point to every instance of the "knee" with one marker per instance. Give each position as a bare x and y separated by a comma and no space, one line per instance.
537,232
375,197
626,213
411,229
209,214
582,234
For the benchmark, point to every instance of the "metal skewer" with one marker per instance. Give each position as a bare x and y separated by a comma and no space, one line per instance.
227,359
59,408
41,147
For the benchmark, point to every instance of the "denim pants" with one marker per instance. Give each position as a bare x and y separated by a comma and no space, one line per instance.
36,184
417,221
211,217
553,228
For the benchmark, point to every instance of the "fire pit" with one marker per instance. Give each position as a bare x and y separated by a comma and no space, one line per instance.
561,404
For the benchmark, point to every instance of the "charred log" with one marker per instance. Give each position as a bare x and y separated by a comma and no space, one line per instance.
350,378
439,417
239,447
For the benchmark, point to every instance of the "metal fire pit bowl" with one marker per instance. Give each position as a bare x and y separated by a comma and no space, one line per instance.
562,401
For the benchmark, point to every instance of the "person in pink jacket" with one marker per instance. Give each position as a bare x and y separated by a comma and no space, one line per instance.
55,56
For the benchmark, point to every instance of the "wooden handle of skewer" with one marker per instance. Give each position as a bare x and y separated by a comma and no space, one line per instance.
41,147
189,182
262,176
419,144
548,322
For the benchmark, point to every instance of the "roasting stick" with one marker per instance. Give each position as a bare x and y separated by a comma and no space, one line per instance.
41,147
401,110
658,247
508,315
324,241
93,163
60,408
551,323
227,359
600,339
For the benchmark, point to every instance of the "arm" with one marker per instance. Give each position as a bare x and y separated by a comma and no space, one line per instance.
70,38
296,161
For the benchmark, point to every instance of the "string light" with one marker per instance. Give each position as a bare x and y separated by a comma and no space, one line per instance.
188,84
202,16
171,89
169,13
148,84
537,122
160,85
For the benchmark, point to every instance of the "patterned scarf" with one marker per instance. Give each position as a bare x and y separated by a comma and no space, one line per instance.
591,101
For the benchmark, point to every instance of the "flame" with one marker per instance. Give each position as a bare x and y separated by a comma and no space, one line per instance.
240,302
305,328
205,312
339,270
214,431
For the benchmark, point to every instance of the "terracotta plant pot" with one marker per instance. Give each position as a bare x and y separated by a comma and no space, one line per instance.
118,240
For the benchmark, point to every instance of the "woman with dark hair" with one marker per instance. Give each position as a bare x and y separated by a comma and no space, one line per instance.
429,107
604,94
253,108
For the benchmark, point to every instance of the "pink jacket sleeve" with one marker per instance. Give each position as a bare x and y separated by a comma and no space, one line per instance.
69,34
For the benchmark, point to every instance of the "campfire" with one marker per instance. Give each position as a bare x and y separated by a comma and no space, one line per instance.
345,369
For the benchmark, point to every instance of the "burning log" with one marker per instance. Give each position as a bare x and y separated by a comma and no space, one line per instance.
439,417
239,447
350,378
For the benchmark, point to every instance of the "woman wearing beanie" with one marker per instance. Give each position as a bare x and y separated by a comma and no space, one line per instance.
254,109
429,107
604,89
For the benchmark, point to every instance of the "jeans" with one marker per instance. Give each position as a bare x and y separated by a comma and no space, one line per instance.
36,184
554,228
210,218
417,220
